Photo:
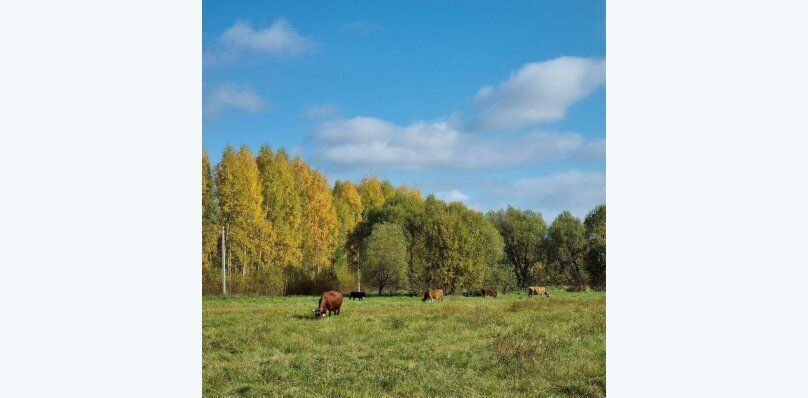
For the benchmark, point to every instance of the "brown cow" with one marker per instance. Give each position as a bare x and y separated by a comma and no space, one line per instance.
489,293
330,303
538,291
432,295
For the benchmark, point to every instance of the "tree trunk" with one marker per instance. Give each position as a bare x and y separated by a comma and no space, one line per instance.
524,278
224,264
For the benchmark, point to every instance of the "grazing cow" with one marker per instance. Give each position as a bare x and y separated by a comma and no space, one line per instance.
538,291
432,295
358,295
489,293
330,303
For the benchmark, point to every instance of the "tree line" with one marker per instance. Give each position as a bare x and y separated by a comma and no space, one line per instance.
287,231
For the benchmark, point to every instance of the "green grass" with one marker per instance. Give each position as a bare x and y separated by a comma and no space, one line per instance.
510,346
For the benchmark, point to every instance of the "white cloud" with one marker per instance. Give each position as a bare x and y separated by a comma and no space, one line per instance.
279,39
573,187
531,148
356,130
452,196
538,92
322,111
231,96
366,141
576,191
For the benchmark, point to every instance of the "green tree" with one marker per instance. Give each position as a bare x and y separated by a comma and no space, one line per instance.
384,257
500,277
595,225
457,245
566,247
523,232
404,209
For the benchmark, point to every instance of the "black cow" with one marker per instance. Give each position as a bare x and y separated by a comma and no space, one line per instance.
359,295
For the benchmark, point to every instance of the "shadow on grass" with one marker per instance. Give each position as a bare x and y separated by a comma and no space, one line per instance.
397,294
311,317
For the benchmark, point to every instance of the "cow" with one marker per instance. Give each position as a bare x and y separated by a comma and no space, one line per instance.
357,295
330,303
538,291
432,295
489,293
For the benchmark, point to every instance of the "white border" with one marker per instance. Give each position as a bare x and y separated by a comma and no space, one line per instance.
101,140
100,132
706,193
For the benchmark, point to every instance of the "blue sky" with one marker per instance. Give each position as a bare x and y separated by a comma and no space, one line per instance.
491,103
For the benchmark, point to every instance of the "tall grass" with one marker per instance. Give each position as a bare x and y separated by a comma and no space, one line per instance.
401,347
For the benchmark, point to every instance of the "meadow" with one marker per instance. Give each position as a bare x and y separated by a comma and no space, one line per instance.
399,346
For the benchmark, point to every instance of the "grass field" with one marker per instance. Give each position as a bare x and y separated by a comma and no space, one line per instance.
510,346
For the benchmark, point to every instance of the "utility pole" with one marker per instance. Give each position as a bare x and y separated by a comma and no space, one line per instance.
224,265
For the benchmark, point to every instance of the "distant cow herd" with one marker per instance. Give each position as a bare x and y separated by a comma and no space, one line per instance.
331,301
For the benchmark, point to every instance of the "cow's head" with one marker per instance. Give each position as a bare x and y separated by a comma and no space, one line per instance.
318,314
